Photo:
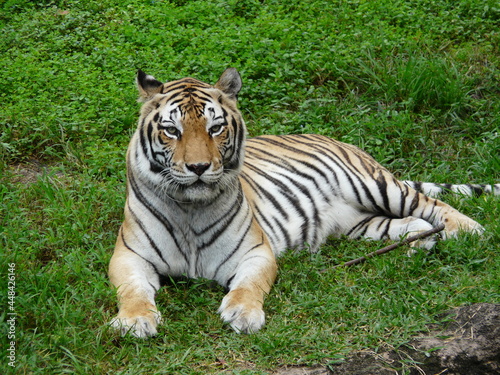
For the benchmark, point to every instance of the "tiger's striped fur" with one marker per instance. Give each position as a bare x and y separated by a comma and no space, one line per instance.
434,190
203,201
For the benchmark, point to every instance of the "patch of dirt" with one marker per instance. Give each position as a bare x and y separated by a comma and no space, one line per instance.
29,172
298,370
468,344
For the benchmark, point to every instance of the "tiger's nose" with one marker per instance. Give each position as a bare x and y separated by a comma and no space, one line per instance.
199,168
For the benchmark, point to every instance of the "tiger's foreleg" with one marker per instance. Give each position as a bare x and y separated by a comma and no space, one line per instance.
136,283
251,282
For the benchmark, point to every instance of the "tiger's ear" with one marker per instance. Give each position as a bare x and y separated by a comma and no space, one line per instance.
230,83
147,85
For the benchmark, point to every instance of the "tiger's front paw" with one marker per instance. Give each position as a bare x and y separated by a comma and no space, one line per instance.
243,316
142,326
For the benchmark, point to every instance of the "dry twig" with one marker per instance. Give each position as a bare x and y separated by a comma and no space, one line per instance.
386,249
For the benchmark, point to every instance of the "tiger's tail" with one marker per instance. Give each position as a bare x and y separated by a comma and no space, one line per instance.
432,189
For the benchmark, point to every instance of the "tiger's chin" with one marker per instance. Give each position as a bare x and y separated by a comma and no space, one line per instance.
198,192
203,190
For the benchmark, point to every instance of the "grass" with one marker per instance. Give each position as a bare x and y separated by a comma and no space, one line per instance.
415,83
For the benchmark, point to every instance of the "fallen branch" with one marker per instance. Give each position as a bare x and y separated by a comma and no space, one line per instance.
386,249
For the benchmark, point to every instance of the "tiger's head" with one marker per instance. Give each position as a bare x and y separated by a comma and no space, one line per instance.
190,136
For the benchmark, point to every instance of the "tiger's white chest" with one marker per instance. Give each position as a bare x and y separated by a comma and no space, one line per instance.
193,240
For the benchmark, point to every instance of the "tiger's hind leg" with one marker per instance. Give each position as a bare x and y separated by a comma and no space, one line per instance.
136,283
395,209
376,227
437,212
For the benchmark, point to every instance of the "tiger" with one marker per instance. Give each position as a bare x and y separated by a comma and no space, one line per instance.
203,201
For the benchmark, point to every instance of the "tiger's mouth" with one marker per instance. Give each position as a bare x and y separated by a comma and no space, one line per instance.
201,184
204,188
198,192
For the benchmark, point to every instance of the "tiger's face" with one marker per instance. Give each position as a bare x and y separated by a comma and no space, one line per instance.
192,135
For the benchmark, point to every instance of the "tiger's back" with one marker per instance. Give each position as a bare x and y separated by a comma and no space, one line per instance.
304,188
296,187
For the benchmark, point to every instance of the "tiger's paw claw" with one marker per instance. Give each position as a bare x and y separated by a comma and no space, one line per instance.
139,326
241,318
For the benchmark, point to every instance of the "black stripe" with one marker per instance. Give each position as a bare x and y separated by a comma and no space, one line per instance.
183,84
319,160
265,193
201,96
382,188
291,168
228,219
149,132
154,165
385,232
251,183
144,144
230,280
405,191
236,142
284,231
414,204
158,215
348,171
276,142
271,227
306,224
477,191
417,186
360,224
139,255
430,217
230,147
176,101
235,249
224,217
152,243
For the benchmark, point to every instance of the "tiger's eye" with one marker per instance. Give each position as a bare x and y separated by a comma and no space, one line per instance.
216,129
171,131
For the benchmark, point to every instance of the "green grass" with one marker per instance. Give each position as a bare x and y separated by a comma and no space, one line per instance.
415,83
